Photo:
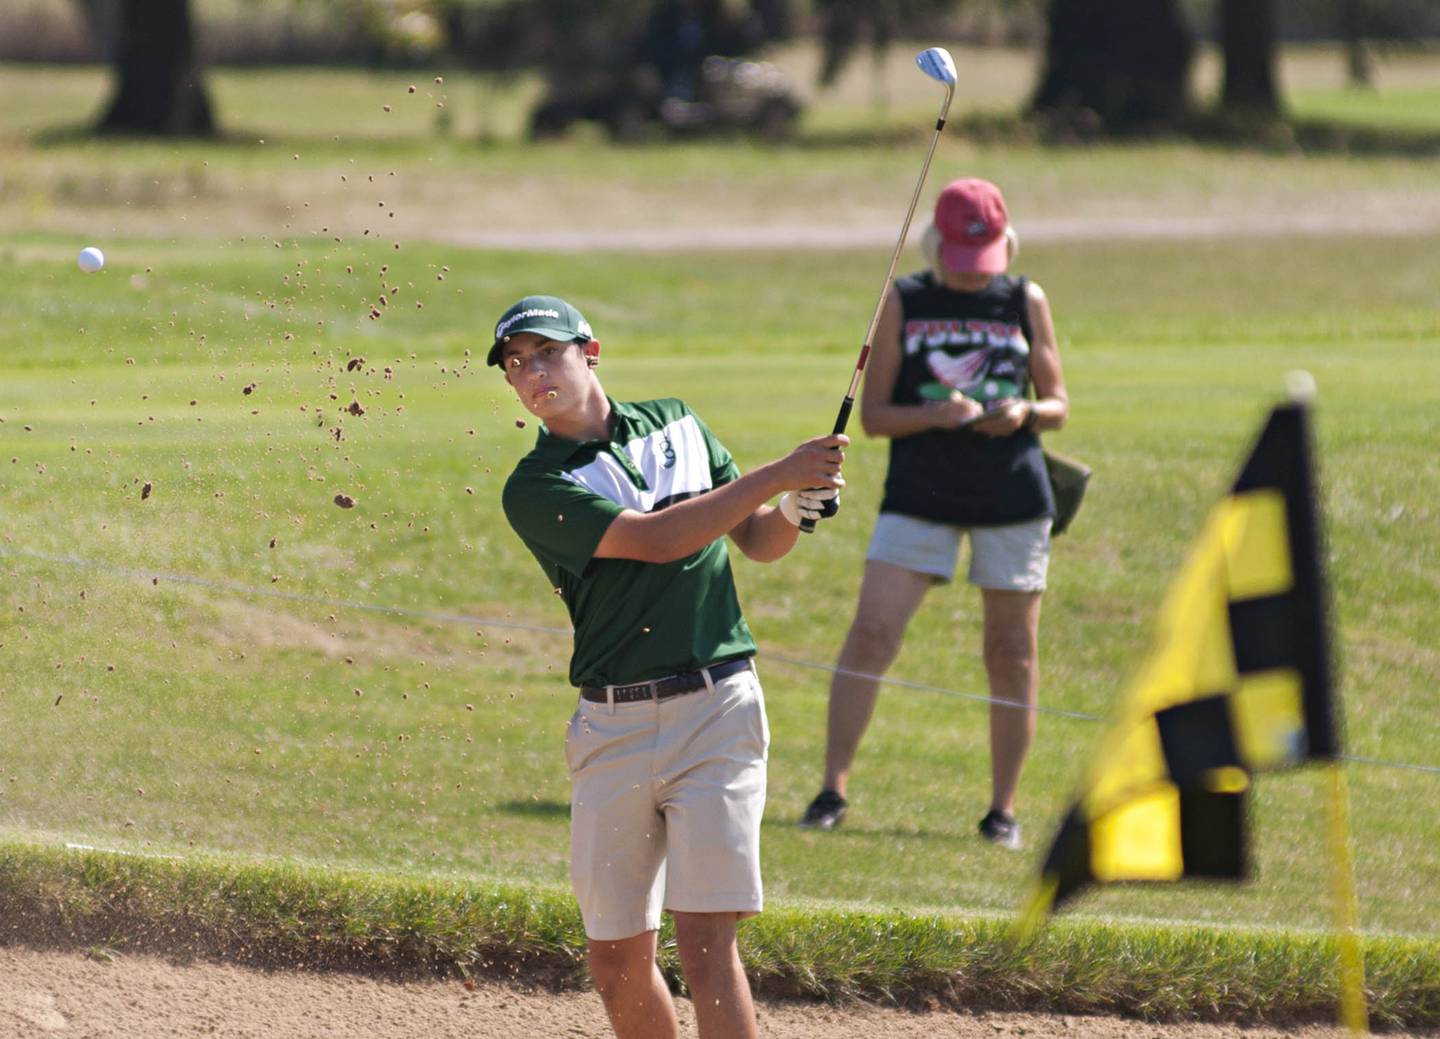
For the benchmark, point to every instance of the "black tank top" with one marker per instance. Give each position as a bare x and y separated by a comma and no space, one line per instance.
979,343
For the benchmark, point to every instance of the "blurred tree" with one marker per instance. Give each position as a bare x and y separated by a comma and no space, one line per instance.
102,18
1358,66
1249,39
1121,64
159,90
532,33
845,25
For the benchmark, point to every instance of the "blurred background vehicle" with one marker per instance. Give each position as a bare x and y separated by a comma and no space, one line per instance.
729,95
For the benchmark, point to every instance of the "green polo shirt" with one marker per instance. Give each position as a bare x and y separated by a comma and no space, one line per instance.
633,621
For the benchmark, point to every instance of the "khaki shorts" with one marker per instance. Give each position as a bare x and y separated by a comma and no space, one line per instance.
665,806
1012,558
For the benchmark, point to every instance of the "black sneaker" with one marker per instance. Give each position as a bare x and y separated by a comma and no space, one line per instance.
1000,828
826,811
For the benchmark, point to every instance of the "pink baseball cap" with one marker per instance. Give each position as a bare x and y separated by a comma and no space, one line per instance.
971,218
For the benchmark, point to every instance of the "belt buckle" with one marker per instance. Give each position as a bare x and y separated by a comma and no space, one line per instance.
629,692
657,688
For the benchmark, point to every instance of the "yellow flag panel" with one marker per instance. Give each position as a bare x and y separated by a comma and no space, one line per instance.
1267,715
1131,759
1257,548
1139,840
1193,654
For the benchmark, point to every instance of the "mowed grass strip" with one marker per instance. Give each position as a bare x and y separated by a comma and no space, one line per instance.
284,914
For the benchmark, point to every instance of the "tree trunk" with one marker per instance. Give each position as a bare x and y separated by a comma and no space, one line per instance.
1126,61
1248,37
102,18
159,90
1358,65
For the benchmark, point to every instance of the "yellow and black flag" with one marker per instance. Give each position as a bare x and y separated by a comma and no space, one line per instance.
1238,681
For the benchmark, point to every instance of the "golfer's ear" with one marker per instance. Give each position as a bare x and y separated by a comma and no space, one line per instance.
591,350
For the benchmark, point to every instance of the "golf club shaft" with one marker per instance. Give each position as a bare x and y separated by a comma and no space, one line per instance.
843,418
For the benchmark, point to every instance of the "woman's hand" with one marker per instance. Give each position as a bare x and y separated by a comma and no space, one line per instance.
956,412
1005,418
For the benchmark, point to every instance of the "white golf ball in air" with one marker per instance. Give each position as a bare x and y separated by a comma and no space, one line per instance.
90,259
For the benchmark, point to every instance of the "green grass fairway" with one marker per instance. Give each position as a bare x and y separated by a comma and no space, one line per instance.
235,664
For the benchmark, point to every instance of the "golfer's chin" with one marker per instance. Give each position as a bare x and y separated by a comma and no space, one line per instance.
543,403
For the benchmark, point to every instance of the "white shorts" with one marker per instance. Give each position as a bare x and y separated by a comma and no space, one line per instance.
665,806
1013,558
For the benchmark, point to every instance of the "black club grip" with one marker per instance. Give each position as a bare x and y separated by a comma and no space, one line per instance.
832,505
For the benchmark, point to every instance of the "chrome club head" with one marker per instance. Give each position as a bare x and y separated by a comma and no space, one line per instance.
936,63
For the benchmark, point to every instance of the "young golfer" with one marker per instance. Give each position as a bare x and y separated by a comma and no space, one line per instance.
957,354
626,507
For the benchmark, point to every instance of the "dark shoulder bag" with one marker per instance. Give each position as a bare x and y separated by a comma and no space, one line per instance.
1068,476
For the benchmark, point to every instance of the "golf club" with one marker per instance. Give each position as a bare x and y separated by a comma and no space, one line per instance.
936,63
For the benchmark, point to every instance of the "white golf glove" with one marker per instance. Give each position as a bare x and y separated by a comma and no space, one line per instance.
814,504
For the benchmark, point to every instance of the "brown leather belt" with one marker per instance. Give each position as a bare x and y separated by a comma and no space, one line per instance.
664,688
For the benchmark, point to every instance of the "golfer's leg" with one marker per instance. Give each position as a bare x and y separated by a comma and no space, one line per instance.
889,596
1012,662
711,961
628,980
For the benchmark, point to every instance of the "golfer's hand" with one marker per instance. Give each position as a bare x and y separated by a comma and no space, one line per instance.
813,505
1003,419
814,464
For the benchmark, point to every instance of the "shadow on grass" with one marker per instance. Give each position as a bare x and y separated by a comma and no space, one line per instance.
1069,130
860,830
240,139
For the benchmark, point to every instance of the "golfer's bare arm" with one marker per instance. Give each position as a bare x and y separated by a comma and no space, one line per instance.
1052,403
737,508
765,535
